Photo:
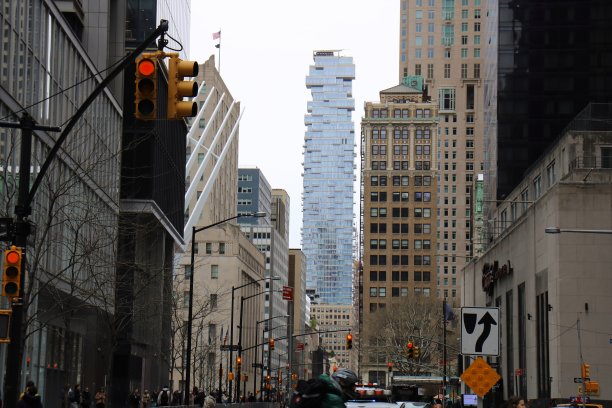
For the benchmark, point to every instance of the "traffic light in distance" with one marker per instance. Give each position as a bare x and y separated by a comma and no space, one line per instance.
410,348
417,352
271,344
349,341
146,87
238,362
230,376
11,279
389,366
5,322
586,370
178,89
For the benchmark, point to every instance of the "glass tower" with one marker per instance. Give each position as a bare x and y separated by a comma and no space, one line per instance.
327,233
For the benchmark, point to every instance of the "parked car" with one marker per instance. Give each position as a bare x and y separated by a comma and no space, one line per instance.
413,404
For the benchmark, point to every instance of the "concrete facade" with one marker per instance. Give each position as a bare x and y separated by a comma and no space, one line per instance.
552,289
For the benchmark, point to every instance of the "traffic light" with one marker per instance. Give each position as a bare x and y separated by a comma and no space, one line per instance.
586,370
271,344
5,322
11,279
389,366
410,348
178,89
238,362
146,87
349,341
230,376
417,352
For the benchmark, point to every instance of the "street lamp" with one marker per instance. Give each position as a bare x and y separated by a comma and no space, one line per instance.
242,299
190,310
262,350
272,278
557,230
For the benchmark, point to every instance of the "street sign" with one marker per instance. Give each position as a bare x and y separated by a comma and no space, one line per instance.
480,377
228,347
287,293
578,380
6,229
518,372
480,331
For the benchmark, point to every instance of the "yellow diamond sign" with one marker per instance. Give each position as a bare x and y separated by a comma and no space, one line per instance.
480,377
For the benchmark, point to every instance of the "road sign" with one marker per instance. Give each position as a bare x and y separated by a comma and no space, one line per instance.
518,372
480,377
480,331
228,347
578,380
287,293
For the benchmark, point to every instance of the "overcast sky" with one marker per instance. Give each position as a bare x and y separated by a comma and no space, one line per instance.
266,49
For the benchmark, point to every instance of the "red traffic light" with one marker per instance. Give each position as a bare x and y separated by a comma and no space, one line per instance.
146,67
410,345
349,336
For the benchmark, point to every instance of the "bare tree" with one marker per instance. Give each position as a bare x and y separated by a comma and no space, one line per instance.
417,319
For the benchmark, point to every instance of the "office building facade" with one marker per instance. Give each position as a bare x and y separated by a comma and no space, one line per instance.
329,149
398,208
443,41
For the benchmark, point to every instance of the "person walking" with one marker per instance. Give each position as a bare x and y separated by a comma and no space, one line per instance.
210,401
30,398
146,399
134,399
74,396
86,398
100,398
163,399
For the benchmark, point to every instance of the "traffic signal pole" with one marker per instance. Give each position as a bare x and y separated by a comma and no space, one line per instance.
23,209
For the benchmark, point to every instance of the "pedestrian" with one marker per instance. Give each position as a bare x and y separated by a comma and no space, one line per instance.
163,399
516,402
153,398
86,398
30,398
74,396
134,399
146,399
100,398
210,401
176,398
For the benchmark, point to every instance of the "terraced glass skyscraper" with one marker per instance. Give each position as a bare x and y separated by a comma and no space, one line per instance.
329,143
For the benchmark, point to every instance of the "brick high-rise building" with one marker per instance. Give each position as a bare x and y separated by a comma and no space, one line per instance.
442,41
398,208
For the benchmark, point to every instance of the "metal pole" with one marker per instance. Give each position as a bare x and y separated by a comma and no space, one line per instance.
238,367
255,355
189,320
231,363
261,387
444,353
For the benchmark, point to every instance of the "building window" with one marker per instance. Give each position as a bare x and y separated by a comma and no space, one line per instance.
187,271
186,298
214,271
550,174
464,71
417,69
447,71
430,72
213,301
477,27
382,292
537,187
476,52
476,70
208,248
373,292
446,97
222,248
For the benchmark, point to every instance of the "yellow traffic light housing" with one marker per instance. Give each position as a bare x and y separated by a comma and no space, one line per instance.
586,370
417,352
271,344
5,322
238,362
11,278
178,89
230,376
146,87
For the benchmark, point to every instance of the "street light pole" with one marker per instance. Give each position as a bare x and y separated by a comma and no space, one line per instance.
194,231
231,364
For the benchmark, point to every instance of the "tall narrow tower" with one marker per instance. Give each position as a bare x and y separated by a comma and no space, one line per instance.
329,145
443,41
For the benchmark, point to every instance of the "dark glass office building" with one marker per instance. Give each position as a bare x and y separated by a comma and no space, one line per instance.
554,57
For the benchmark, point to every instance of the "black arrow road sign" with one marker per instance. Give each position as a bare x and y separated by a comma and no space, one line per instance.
487,320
